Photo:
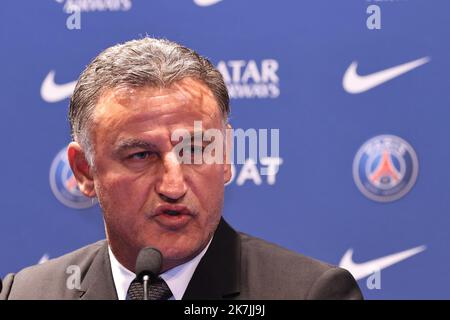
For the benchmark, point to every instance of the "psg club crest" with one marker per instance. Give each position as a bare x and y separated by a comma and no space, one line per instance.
64,185
385,168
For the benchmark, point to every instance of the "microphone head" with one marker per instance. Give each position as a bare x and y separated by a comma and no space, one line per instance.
148,262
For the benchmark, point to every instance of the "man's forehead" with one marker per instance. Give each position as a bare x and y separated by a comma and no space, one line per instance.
186,92
150,108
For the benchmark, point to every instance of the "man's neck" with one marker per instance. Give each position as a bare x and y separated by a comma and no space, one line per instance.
126,255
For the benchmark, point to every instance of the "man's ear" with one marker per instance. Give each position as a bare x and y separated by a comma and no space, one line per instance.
228,153
81,169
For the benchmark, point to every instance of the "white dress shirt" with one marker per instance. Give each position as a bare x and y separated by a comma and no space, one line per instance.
176,278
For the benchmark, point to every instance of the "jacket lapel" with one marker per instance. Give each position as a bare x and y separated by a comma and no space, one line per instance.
218,274
98,284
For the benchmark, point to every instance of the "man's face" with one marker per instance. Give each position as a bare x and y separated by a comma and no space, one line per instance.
148,197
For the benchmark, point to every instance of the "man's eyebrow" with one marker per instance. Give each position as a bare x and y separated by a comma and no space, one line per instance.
128,144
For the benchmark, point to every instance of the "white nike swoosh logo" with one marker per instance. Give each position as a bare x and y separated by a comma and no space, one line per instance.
354,83
52,92
362,270
206,3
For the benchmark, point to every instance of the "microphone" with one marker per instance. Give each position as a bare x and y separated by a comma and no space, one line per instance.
148,266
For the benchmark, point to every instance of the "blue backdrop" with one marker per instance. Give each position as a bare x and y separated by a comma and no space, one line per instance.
364,179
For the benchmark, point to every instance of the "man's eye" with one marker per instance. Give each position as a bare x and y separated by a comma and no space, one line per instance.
140,155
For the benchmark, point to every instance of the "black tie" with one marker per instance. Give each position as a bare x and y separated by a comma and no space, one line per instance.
157,290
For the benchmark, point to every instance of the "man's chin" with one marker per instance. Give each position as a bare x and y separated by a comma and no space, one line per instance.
174,257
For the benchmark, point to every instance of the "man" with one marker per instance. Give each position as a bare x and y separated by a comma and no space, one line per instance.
126,109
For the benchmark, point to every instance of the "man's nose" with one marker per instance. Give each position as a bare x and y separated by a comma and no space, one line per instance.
172,186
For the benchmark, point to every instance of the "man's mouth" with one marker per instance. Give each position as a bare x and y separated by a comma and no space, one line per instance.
173,213
172,210
173,216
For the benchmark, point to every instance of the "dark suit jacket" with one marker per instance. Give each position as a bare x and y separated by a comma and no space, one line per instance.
236,266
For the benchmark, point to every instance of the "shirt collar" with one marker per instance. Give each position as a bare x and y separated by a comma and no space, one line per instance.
176,278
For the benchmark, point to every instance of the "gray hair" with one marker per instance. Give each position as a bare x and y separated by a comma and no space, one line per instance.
134,64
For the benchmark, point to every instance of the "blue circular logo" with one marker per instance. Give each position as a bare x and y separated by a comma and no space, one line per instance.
64,185
385,168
